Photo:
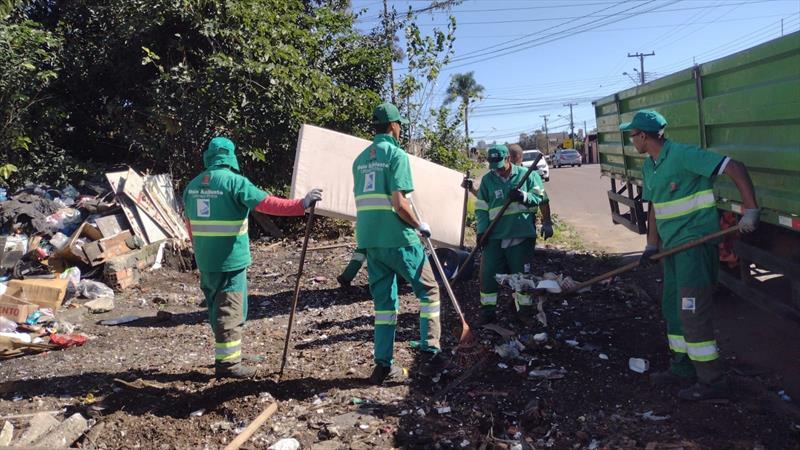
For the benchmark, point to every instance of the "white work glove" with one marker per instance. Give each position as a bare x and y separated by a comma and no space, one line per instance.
313,195
749,221
424,229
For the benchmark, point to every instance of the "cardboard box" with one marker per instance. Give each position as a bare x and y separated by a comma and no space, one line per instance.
47,293
16,309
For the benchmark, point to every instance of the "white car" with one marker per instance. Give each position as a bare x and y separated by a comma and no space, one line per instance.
528,156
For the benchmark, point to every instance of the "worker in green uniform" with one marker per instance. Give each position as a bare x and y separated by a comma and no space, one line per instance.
678,181
217,204
509,248
386,227
515,155
357,260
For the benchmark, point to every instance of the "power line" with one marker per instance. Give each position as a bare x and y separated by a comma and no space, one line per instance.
641,57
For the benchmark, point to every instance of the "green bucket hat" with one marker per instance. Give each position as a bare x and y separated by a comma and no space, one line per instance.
387,113
645,120
496,155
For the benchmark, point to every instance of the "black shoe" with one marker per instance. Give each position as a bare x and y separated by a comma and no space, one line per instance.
344,283
436,364
669,378
702,391
237,371
388,374
486,318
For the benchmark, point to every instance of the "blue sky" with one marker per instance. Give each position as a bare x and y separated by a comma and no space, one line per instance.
534,56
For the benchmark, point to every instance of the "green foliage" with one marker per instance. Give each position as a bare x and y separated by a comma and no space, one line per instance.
148,82
445,140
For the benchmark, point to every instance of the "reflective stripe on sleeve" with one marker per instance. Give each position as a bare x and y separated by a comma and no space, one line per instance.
702,351
429,310
481,205
685,205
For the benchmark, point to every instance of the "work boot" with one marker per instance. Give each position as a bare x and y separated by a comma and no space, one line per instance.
237,371
436,363
703,391
669,378
344,283
388,374
487,317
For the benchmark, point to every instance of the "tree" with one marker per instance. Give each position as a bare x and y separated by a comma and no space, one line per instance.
464,87
444,139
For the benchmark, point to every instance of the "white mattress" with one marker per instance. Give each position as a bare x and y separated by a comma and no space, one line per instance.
325,158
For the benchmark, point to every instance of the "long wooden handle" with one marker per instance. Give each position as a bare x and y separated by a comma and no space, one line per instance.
297,289
655,257
496,219
254,425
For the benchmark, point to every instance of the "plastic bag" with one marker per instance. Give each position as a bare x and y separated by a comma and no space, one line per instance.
7,325
94,289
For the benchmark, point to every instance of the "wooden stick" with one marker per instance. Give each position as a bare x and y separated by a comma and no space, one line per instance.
252,428
328,247
655,257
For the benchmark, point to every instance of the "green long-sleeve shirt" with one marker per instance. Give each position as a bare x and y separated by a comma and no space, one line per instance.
516,221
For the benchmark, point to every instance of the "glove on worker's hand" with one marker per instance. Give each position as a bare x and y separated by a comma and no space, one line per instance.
649,250
313,195
547,229
749,221
468,183
518,195
424,229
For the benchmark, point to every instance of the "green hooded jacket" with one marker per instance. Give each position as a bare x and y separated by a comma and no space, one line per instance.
218,202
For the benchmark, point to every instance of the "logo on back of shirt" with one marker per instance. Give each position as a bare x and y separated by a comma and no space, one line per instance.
203,207
369,182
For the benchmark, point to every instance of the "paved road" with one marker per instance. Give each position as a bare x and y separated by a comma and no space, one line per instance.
578,196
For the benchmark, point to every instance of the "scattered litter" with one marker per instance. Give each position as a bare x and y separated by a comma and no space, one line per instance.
443,409
120,320
550,374
505,333
572,342
502,365
6,434
638,365
100,305
198,413
784,396
509,350
68,340
285,444
364,426
648,415
94,289
603,356
540,337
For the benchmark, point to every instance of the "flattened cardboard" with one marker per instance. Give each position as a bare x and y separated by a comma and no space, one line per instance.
47,293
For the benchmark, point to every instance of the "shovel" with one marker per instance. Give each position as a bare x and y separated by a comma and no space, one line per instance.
655,257
467,339
496,219
297,289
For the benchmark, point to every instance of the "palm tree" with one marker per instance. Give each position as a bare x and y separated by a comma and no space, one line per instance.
463,86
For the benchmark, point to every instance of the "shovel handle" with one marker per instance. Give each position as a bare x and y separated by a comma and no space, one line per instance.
655,257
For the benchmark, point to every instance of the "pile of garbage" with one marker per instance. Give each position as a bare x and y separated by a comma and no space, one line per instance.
57,245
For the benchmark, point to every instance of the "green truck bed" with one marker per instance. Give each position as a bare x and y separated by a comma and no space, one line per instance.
746,105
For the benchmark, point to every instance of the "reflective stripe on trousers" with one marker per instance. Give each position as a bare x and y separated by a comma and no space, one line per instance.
685,205
386,317
676,343
488,299
428,310
228,351
702,351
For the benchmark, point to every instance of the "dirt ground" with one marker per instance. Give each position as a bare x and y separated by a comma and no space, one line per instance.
171,399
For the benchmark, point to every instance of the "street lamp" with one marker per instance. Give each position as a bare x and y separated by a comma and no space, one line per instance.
631,77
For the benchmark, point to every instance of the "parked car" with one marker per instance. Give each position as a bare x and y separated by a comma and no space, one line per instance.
567,157
528,156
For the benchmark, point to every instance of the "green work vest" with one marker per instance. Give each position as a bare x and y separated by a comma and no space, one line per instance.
217,204
492,194
382,168
679,185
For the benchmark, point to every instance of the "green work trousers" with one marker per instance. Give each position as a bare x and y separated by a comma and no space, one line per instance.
495,260
383,266
689,277
356,261
226,295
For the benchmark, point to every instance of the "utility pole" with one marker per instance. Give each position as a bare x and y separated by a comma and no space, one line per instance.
389,43
546,137
571,123
641,57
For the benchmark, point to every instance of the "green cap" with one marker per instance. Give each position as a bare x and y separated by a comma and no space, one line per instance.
220,152
496,155
645,120
387,113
